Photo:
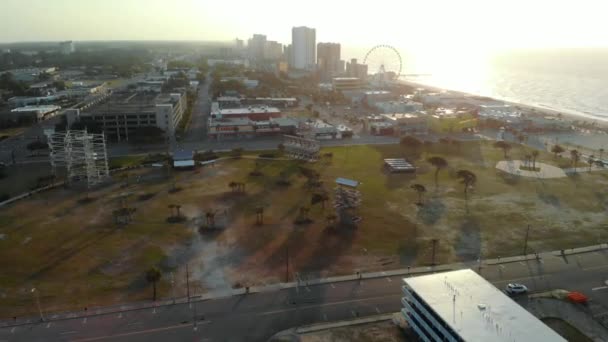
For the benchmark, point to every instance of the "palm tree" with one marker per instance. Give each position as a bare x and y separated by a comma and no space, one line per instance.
304,213
557,149
591,160
505,146
319,197
420,189
468,178
528,158
171,206
210,217
259,215
575,155
153,276
439,164
534,156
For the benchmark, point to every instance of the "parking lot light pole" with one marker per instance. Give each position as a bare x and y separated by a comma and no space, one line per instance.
37,297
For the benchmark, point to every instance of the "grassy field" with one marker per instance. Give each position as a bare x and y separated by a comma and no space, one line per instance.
72,251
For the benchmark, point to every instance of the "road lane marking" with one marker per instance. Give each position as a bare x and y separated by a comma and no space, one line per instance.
84,321
13,330
332,285
109,337
154,311
522,263
325,316
599,288
69,332
594,267
329,304
120,315
135,323
501,267
388,279
377,310
353,313
307,289
48,325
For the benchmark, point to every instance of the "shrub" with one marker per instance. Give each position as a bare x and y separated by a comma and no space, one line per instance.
205,156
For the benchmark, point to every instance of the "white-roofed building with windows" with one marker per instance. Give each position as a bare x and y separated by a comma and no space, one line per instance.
463,306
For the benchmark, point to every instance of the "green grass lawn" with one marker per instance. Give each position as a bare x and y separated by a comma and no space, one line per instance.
73,252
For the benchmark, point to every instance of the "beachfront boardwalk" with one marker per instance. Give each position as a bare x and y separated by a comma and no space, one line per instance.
546,170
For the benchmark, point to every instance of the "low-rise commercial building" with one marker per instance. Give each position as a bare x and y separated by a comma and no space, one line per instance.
30,75
254,113
347,83
407,123
242,127
462,306
451,121
397,106
35,113
121,114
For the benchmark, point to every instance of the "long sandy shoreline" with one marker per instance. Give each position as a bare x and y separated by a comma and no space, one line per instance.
541,110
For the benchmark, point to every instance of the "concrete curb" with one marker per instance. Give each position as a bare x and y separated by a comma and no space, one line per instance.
96,311
339,324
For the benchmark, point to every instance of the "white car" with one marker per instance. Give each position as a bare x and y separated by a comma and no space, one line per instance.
515,288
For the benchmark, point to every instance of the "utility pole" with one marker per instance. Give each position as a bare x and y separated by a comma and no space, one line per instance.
38,303
187,283
526,241
286,264
173,287
434,241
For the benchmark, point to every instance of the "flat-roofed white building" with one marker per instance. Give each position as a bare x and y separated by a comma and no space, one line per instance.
255,113
463,306
36,113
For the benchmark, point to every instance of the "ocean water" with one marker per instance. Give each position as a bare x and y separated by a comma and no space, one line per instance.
573,81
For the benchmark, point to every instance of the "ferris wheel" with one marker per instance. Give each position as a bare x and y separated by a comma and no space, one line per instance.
384,63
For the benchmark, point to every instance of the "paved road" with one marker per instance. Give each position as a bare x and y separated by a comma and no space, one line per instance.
197,130
257,316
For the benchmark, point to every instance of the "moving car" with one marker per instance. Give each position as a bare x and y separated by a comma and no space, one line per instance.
515,288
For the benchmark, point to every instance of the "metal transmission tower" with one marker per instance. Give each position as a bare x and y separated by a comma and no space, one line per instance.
83,155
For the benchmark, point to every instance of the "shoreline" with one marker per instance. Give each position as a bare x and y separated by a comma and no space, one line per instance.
566,115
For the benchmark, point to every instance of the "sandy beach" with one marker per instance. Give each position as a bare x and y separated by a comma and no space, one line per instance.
537,109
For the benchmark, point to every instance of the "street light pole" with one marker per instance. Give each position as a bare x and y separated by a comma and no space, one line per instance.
38,303
526,240
173,287
286,264
187,283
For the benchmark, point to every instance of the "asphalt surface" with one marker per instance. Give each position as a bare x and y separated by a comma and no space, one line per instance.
197,130
257,316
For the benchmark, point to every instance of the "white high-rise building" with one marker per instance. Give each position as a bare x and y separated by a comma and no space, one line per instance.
67,47
303,48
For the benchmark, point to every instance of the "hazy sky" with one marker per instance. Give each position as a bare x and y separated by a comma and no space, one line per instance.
471,24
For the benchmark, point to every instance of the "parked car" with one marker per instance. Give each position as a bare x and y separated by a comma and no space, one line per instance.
514,289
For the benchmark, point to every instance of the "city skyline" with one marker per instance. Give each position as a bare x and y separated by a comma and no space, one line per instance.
472,24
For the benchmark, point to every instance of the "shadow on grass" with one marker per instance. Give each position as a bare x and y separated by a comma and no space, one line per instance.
549,199
432,211
508,178
468,245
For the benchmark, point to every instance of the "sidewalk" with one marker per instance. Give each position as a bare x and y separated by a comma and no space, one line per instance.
405,272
